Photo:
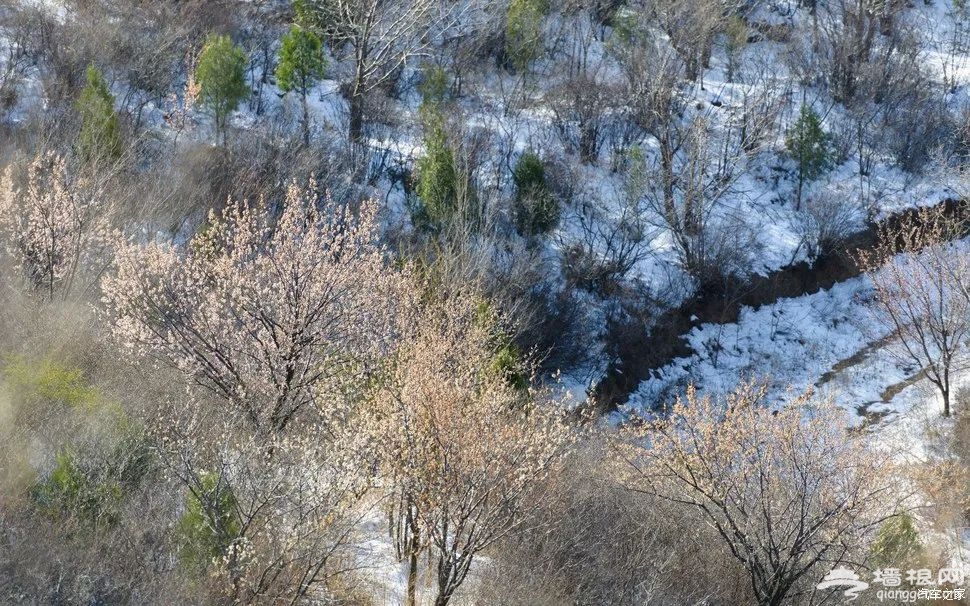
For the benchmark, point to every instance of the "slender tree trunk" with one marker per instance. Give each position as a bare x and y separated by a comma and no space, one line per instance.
356,117
413,545
945,389
356,99
306,119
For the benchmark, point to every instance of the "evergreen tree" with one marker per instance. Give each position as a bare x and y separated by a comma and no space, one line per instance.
435,89
536,209
523,32
99,137
301,65
437,178
221,75
897,543
209,525
809,145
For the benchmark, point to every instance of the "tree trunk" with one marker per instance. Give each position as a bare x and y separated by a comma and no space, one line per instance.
413,547
306,120
356,117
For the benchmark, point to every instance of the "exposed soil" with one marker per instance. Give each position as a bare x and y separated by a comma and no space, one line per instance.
642,343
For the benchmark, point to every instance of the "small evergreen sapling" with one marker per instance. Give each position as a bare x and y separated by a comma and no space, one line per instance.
897,543
99,137
435,89
809,145
301,65
523,32
437,178
209,525
536,209
221,75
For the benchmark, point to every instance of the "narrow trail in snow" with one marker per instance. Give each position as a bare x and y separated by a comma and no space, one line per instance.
640,345
870,417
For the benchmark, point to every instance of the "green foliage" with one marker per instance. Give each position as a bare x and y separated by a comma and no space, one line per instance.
52,382
90,487
809,144
435,89
305,14
321,16
209,525
536,209
90,478
897,543
221,74
637,174
80,493
435,86
736,34
100,137
523,32
529,173
507,361
626,26
301,61
437,178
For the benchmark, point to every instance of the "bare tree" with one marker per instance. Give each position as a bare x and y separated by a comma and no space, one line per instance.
693,171
787,491
829,219
921,277
849,36
382,36
609,246
582,106
692,26
595,542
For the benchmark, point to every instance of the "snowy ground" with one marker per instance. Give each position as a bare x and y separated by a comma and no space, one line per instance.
829,342
515,115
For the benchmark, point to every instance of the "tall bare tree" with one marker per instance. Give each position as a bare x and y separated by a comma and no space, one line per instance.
692,26
692,173
921,277
380,36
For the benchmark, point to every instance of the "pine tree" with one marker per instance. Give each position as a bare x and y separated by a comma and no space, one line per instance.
221,75
809,145
523,32
437,178
536,209
301,65
897,543
99,137
435,89
209,525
